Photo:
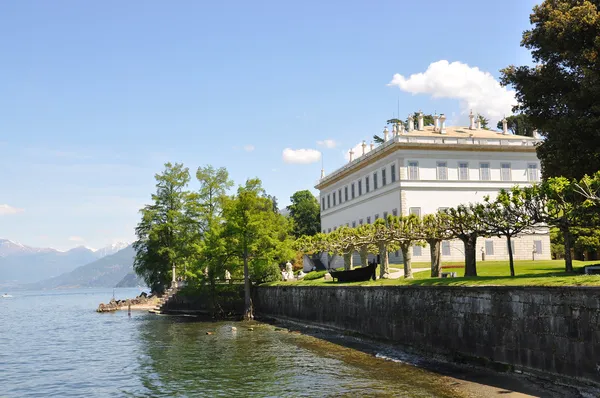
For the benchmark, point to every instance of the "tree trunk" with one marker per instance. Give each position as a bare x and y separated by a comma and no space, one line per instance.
348,261
213,295
248,315
511,261
568,245
470,255
407,260
434,250
364,255
384,266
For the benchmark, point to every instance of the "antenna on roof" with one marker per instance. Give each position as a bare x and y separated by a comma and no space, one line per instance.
398,106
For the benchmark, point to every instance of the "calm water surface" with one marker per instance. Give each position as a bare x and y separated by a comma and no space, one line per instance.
55,344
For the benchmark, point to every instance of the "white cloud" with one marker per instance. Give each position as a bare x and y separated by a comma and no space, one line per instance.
357,149
6,210
248,148
301,156
327,143
475,89
76,239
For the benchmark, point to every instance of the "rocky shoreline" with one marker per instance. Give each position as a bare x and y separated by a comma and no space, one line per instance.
141,302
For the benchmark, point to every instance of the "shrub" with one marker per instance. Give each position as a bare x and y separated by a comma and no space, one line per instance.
265,272
314,275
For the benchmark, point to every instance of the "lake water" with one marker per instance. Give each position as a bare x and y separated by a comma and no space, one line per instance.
55,344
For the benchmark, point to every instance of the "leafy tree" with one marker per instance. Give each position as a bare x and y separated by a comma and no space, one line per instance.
518,125
436,230
560,93
306,213
163,232
255,233
508,216
466,224
427,121
210,250
484,121
382,238
560,208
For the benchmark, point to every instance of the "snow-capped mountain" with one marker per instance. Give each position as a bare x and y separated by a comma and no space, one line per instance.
110,249
11,248
25,264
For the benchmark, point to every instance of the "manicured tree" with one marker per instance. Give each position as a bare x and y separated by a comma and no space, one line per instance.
435,230
466,224
406,231
363,237
507,216
343,240
382,239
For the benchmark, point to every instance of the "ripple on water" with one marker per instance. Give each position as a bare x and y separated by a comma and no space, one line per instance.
54,344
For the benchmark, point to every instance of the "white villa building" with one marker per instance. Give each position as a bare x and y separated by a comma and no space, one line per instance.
426,168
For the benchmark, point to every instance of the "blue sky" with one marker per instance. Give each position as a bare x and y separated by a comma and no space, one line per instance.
96,96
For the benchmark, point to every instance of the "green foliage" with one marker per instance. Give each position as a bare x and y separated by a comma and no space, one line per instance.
263,271
466,223
314,275
484,121
163,232
518,125
559,94
254,233
509,215
306,214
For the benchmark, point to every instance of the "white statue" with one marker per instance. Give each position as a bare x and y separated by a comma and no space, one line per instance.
289,270
227,276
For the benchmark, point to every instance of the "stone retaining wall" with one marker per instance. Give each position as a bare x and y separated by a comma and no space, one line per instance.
555,331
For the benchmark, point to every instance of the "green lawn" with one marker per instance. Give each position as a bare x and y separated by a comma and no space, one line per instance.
491,273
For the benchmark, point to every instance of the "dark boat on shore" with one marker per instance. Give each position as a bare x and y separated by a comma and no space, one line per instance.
361,274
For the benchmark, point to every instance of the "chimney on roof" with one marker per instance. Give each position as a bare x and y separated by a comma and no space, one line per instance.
420,121
504,126
411,123
478,121
400,128
536,134
435,122
471,120
385,134
351,154
364,147
394,131
372,145
322,173
442,124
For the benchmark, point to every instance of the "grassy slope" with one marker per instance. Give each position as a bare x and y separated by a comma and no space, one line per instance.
528,273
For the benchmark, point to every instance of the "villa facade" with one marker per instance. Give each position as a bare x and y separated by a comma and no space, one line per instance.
424,169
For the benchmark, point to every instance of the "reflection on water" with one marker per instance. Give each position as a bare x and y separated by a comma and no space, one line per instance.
54,344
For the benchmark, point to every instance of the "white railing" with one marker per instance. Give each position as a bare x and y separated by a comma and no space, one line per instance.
429,140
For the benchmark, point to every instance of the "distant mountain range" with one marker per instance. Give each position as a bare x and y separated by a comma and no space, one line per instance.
109,271
20,264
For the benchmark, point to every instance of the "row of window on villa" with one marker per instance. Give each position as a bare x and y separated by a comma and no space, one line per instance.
367,219
463,171
488,248
356,188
